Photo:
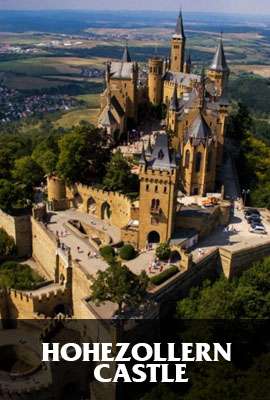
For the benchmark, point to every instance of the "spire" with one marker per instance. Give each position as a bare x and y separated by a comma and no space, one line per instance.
219,62
126,56
174,106
148,152
202,89
142,160
179,29
188,60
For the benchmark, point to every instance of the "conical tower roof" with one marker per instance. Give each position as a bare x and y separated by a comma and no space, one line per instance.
126,56
179,29
219,62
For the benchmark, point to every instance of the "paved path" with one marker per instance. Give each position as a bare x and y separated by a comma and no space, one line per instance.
236,235
80,247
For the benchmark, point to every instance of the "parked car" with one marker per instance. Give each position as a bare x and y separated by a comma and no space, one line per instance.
253,219
251,211
258,228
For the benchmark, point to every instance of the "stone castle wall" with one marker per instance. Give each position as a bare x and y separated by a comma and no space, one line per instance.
98,202
19,228
44,248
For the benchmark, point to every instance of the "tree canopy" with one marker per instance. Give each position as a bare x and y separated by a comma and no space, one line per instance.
119,285
119,176
247,297
83,155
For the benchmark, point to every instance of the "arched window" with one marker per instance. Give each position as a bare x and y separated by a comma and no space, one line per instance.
155,203
156,188
187,159
147,187
209,161
198,162
165,189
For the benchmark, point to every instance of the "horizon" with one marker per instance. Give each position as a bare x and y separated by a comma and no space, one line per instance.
242,7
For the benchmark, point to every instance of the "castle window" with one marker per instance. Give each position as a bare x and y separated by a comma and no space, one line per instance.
198,162
156,188
165,189
155,203
147,188
187,159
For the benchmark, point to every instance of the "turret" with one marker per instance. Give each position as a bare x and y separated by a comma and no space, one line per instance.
219,71
178,46
155,80
188,64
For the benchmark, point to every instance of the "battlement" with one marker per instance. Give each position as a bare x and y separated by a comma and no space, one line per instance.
97,191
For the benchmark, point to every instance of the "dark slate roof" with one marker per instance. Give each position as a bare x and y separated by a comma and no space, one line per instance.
199,131
142,158
117,106
162,158
219,62
179,29
148,148
126,56
106,118
174,104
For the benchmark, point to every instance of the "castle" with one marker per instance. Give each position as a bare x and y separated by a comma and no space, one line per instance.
188,156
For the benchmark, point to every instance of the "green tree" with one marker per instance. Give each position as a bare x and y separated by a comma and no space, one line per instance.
27,172
11,196
7,244
119,176
46,154
247,297
127,252
163,251
119,285
83,155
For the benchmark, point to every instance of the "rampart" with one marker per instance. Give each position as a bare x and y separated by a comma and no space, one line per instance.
112,206
19,228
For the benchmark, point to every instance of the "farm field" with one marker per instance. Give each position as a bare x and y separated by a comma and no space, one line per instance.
73,118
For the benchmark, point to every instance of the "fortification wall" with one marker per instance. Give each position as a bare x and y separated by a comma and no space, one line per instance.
44,248
111,206
235,262
80,290
204,223
18,227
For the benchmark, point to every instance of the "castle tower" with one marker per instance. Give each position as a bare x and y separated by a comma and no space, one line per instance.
158,193
178,44
173,109
57,196
199,157
155,80
219,71
188,64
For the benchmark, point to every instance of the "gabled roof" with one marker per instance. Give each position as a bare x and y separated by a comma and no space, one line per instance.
106,117
162,158
117,106
199,131
121,70
179,29
126,56
219,62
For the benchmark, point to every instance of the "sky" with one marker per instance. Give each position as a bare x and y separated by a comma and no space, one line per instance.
225,6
